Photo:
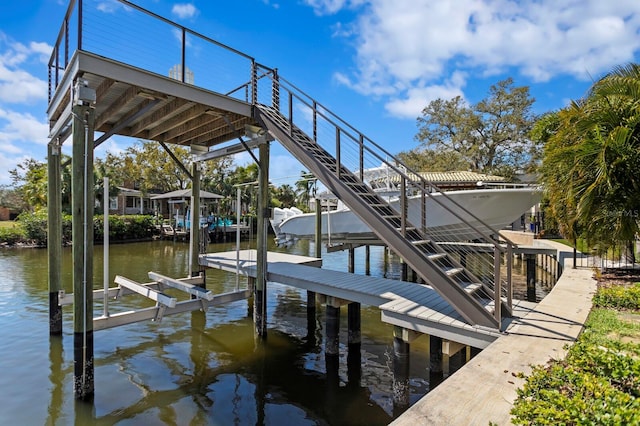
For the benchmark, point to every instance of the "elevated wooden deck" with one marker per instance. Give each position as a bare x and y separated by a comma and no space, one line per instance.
412,306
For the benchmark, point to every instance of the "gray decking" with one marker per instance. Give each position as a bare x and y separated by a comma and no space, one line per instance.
412,306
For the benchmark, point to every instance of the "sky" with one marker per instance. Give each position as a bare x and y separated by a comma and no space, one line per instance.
376,63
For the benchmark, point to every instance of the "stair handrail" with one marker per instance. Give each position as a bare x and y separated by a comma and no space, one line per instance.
361,137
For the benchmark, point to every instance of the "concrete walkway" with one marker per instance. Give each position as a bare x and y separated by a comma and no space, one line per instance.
484,390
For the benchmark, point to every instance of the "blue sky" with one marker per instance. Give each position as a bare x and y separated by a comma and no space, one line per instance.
376,63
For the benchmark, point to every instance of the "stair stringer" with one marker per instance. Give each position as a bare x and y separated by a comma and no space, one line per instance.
467,306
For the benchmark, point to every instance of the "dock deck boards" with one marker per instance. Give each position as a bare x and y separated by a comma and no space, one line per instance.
416,307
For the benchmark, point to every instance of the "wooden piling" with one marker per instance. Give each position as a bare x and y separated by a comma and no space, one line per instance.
531,277
332,346
354,324
367,260
194,231
82,234
401,387
54,236
260,308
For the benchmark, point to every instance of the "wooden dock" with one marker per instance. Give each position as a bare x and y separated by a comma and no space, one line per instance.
412,306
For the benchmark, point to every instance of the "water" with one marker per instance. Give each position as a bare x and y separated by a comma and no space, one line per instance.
195,368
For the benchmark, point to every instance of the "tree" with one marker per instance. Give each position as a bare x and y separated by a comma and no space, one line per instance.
429,160
304,188
593,158
286,195
490,136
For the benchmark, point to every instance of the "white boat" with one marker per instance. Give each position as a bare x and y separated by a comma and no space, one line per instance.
497,207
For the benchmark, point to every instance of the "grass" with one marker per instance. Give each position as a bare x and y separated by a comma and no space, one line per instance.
581,244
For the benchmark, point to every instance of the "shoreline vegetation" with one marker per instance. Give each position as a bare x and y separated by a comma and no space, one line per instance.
30,229
598,382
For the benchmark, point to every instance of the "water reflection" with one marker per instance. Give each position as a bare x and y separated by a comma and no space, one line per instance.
201,367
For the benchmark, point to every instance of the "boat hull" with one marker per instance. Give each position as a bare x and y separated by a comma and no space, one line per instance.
496,207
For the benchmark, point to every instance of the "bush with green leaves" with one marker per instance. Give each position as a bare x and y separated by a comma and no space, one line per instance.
619,297
34,226
599,380
11,235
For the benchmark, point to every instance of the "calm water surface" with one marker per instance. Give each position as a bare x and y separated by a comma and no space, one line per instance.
195,368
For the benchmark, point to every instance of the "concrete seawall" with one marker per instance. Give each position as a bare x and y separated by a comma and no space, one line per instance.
484,390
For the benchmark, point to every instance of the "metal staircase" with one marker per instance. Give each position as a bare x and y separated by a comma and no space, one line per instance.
465,292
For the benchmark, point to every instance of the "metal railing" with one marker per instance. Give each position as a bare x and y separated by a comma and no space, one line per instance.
489,258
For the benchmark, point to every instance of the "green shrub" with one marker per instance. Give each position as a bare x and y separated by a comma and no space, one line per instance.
34,226
11,235
618,297
599,380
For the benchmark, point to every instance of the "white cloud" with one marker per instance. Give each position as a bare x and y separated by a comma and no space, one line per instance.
184,10
21,135
328,7
416,98
16,84
405,49
22,128
110,6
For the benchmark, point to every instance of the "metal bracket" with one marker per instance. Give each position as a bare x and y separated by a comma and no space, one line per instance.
160,308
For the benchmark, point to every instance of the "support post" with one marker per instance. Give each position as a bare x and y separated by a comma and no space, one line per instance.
531,277
54,236
311,295
82,234
401,387
352,260
435,354
354,324
194,217
260,308
367,260
332,346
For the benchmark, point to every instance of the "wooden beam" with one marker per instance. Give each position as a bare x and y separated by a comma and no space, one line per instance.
128,96
167,111
104,88
194,120
178,121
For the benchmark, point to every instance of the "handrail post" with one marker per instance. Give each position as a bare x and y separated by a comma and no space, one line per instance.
275,91
290,113
254,82
79,24
338,152
403,206
497,286
183,55
509,280
423,208
315,121
361,174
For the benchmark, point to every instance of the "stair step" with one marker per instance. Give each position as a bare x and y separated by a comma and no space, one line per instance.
407,229
420,242
437,256
453,271
471,287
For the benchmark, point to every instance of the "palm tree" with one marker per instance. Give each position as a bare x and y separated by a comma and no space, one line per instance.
592,160
304,188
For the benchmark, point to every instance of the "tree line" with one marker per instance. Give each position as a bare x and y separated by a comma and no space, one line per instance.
149,168
586,156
